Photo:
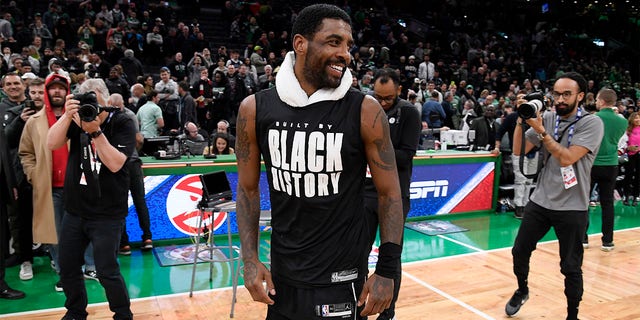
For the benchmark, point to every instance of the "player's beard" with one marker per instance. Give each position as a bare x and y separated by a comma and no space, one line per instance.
318,76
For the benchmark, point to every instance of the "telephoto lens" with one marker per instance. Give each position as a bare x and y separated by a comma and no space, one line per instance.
532,107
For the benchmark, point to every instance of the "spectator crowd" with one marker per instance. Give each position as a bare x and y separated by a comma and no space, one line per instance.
177,81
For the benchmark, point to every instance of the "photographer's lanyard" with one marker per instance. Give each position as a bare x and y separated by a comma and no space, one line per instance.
571,128
89,164
93,158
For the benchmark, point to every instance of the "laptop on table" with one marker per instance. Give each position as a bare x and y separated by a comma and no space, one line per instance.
195,147
216,190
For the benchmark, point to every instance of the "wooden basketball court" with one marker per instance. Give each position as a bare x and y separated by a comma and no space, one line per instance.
471,286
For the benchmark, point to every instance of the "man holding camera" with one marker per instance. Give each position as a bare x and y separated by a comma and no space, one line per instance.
570,139
95,195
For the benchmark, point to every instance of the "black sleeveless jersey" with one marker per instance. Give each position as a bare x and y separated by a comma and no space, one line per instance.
315,164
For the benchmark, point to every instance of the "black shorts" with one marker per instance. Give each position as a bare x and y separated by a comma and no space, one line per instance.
338,301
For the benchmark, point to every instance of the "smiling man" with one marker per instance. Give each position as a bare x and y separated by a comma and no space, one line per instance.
316,136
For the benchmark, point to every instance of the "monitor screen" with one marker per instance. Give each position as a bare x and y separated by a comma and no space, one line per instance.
215,185
152,145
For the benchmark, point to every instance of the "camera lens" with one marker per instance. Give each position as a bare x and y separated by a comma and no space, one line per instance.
528,110
87,112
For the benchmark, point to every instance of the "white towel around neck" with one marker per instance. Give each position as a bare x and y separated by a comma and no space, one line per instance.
291,93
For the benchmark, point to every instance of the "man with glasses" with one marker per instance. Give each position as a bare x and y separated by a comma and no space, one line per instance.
404,129
570,139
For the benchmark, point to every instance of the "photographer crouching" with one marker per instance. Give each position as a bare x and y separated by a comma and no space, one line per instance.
569,138
95,194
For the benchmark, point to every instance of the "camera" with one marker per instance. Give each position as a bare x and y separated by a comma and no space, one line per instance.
89,106
535,104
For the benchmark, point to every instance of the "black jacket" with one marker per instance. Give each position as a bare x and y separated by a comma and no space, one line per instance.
7,175
404,129
12,125
485,132
188,110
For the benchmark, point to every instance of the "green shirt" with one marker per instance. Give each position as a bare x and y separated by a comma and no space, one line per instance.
148,116
614,128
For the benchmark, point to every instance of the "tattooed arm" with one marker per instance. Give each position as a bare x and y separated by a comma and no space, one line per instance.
248,202
374,129
382,162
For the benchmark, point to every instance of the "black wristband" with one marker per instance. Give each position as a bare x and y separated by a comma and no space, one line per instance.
95,134
388,265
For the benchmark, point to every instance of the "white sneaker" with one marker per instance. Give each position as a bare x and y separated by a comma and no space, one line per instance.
26,271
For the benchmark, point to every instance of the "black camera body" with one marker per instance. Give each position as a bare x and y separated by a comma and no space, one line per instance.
89,106
534,105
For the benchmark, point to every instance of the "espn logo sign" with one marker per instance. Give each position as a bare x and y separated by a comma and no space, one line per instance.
421,189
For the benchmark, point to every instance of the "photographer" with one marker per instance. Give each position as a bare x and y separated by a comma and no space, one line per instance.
95,196
570,139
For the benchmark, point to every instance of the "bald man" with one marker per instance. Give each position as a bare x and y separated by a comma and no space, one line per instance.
191,132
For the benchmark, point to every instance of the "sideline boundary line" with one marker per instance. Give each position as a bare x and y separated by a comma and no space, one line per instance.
448,296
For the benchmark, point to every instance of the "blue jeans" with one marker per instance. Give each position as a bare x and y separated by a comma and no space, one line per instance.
76,235
59,213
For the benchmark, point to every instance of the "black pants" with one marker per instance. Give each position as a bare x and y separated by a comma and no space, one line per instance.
605,177
20,223
76,235
632,176
292,303
136,186
371,209
570,227
4,229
